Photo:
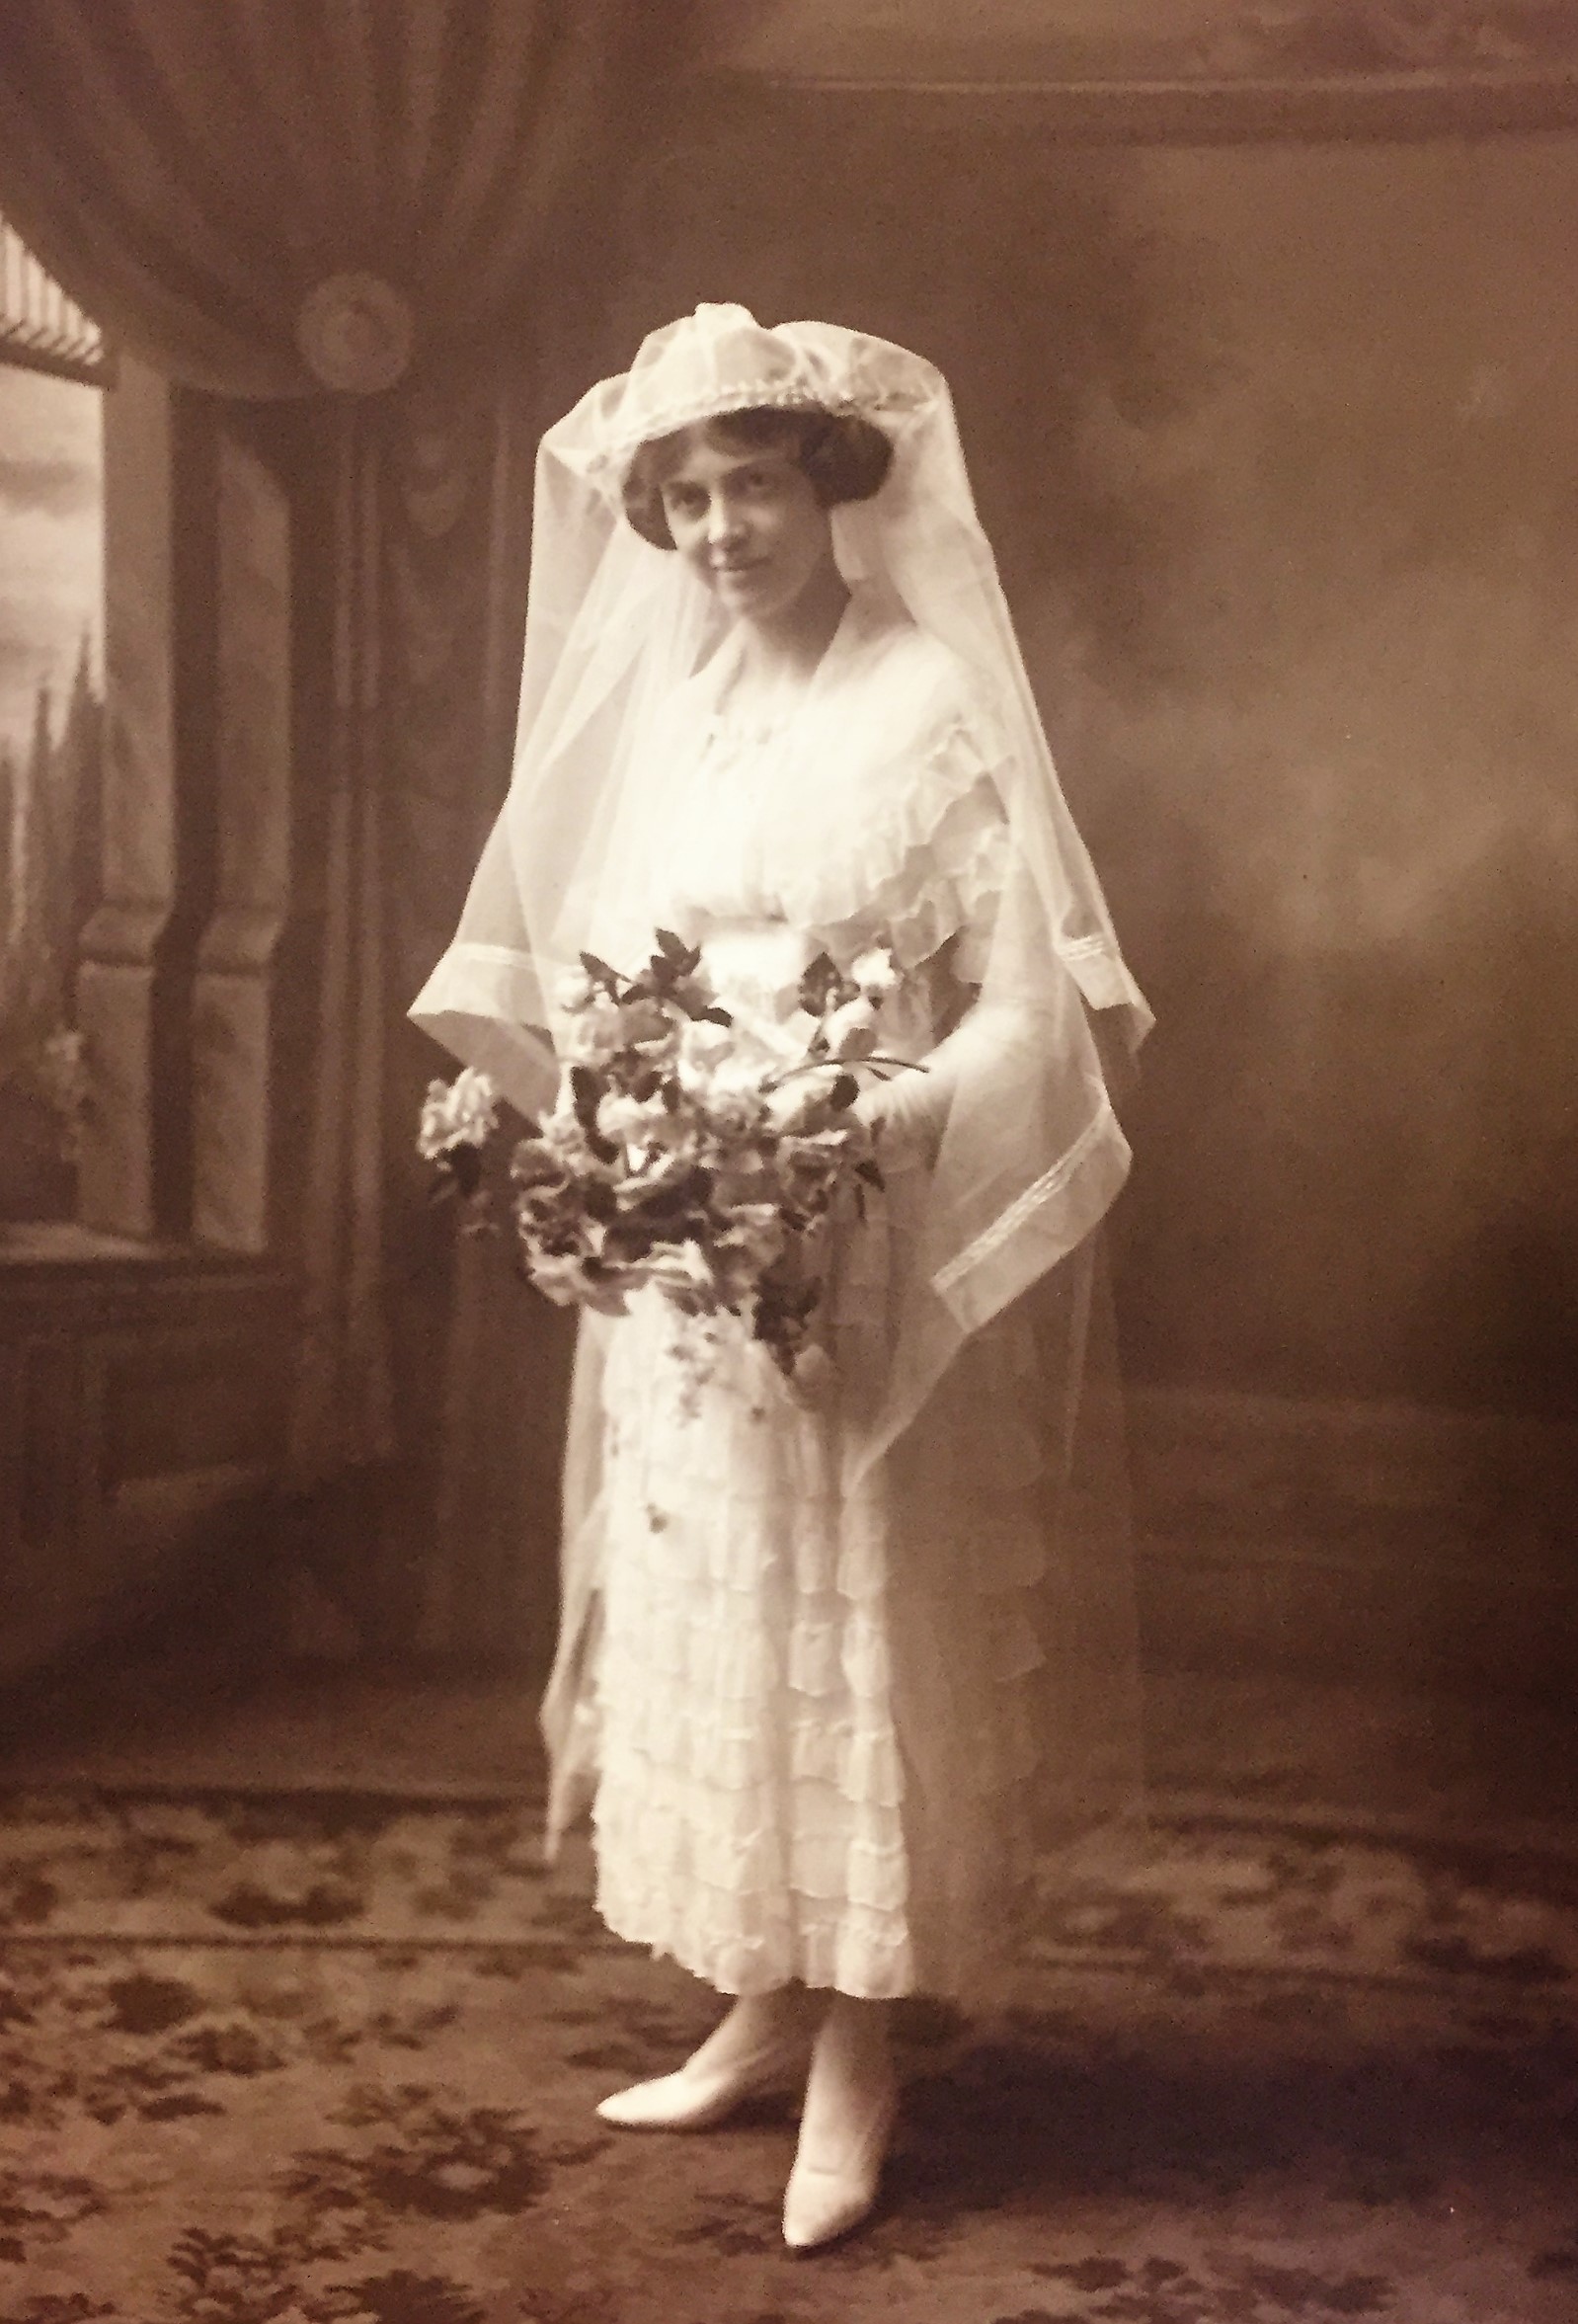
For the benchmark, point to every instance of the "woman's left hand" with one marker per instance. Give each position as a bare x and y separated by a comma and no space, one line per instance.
898,1115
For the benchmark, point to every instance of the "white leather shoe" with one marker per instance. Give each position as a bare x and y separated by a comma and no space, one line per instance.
700,2095
823,2201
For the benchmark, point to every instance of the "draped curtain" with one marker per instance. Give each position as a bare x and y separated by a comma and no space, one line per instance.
194,171
356,201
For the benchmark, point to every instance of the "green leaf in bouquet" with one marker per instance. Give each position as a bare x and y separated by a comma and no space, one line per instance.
464,1166
670,1198
628,1240
645,1083
692,1001
590,1284
783,1310
842,1095
674,1096
588,1090
534,1165
686,959
787,1276
821,986
599,1200
712,1014
599,973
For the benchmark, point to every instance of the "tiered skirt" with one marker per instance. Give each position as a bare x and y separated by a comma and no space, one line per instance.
816,1715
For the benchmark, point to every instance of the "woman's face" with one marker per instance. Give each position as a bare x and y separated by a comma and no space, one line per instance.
750,525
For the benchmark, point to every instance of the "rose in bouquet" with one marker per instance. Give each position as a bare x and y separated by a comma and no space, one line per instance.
457,1120
691,1148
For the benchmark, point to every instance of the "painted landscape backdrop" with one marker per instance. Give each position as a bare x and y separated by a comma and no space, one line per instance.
50,626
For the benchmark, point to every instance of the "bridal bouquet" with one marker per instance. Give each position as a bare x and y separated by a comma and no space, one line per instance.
690,1147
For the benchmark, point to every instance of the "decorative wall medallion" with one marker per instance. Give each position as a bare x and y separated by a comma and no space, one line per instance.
355,333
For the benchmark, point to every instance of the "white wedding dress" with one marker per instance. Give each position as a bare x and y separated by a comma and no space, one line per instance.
814,1701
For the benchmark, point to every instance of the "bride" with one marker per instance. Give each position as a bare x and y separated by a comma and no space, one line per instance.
832,1671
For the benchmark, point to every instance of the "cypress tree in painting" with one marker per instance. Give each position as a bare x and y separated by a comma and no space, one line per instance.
51,836
82,757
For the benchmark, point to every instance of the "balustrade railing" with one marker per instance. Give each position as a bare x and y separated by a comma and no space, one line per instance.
40,328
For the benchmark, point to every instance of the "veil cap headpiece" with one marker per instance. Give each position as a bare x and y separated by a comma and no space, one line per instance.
722,360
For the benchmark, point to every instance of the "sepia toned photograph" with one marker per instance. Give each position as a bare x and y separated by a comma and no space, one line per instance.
788,1162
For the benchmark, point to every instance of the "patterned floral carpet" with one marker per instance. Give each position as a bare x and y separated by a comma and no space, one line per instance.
334,2062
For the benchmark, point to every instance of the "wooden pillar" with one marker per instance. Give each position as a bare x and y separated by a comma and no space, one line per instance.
234,998
133,986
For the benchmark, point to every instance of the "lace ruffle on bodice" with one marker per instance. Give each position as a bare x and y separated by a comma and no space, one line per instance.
864,812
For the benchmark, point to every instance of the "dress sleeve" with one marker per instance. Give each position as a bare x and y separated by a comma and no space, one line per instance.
929,857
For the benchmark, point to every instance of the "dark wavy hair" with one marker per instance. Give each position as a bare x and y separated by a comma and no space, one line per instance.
845,457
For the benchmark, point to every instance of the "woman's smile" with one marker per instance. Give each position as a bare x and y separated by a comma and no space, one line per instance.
743,580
